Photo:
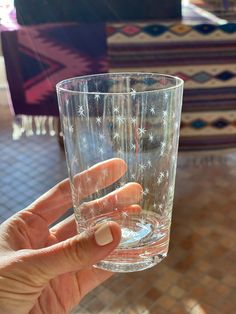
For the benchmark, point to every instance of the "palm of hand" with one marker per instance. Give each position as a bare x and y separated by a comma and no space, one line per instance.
32,232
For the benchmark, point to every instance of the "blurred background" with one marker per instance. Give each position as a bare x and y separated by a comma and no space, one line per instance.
43,42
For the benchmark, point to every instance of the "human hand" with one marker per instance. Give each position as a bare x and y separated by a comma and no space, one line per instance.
48,270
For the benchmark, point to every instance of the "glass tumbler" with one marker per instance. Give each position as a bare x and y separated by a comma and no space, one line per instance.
130,121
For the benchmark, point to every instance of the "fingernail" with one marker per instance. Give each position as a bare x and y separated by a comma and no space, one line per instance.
103,235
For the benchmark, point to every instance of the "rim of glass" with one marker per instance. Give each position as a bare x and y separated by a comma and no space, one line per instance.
179,82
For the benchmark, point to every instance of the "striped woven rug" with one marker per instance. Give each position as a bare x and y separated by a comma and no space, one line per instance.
204,55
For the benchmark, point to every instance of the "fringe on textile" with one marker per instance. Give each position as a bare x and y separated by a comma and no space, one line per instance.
24,125
221,157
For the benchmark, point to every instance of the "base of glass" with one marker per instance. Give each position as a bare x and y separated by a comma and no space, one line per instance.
144,242
130,266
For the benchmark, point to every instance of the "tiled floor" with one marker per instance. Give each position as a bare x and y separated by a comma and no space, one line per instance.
199,275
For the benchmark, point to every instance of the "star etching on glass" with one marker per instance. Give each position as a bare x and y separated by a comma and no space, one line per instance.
101,151
166,96
163,145
105,173
160,177
91,211
120,119
152,110
164,117
133,93
132,146
149,163
173,158
116,136
81,112
142,167
79,190
171,190
165,114
141,223
101,136
116,110
71,129
97,97
85,143
160,207
88,179
151,138
124,214
145,191
141,131
120,152
133,120
133,176
162,174
98,120
122,183
154,205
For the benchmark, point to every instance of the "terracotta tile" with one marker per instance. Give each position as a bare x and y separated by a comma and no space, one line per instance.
178,308
203,266
176,292
146,302
227,306
185,264
95,306
216,236
195,274
153,294
228,242
209,281
186,283
166,302
230,281
134,309
189,242
119,305
162,286
218,252
215,273
156,309
212,297
197,292
105,295
137,290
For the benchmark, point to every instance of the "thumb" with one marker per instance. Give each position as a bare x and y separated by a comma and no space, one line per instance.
76,253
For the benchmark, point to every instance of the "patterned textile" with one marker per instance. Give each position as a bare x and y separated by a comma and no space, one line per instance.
204,55
39,57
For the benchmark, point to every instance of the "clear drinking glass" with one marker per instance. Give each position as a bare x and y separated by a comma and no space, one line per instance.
134,117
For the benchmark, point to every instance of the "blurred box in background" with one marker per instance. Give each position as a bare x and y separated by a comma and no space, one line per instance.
53,11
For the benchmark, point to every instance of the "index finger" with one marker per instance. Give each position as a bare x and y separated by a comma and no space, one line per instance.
57,200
